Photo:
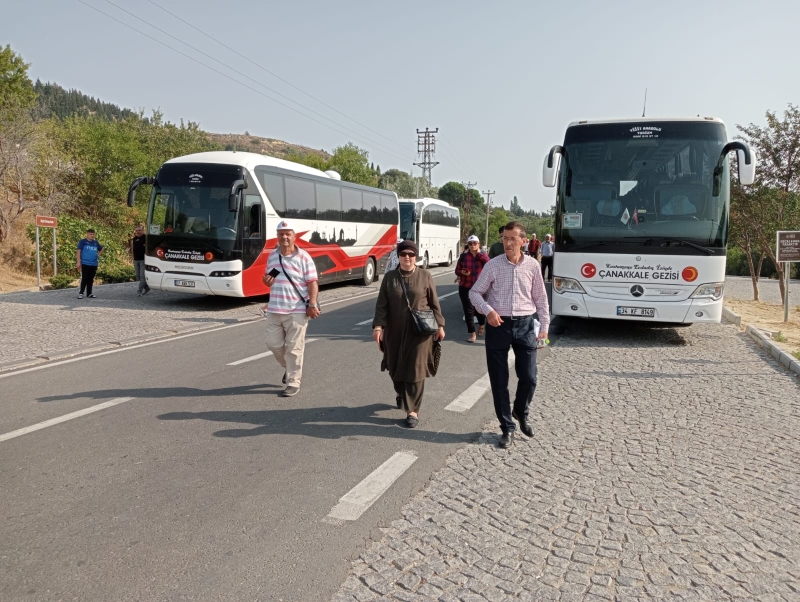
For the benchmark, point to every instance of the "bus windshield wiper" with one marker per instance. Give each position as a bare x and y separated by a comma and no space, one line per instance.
667,242
589,244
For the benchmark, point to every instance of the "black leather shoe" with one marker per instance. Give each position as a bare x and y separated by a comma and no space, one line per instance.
506,441
412,422
524,425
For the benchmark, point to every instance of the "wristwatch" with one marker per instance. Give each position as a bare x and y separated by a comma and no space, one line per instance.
314,305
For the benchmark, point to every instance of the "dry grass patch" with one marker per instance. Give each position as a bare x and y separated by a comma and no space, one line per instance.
768,316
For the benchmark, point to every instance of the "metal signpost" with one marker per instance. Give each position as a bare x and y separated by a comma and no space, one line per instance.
788,251
44,221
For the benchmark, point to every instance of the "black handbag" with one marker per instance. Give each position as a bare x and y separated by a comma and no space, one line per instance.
423,321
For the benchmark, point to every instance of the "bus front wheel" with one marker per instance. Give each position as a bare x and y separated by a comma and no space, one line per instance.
369,272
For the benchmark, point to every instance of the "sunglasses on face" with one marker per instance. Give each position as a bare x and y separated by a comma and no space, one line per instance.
406,254
473,243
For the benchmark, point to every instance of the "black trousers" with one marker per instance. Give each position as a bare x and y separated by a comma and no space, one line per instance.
469,310
87,277
517,334
547,264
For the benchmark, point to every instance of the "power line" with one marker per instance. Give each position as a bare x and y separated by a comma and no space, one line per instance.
275,75
351,132
488,209
466,165
467,204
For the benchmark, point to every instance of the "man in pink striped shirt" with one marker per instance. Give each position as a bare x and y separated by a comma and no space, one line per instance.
509,291
292,278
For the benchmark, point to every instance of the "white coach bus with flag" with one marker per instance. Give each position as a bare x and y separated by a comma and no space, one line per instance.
642,218
212,217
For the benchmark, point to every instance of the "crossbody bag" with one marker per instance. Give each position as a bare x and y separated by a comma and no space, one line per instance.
423,321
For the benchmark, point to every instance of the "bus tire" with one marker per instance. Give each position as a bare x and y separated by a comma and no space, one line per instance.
449,261
369,272
425,262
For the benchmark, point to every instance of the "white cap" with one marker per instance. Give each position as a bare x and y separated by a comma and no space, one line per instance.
546,235
473,238
399,240
285,225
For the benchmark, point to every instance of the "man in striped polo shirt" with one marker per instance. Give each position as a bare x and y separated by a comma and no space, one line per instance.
292,301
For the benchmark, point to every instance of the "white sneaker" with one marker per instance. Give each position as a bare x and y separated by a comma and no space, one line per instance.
80,296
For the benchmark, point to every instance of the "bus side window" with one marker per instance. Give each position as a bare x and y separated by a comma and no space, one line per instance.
352,208
301,198
388,209
272,184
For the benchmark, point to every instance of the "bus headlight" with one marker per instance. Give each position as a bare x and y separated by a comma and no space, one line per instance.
712,290
567,285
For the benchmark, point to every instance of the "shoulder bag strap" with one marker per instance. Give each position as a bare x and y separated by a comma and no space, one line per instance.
403,284
285,273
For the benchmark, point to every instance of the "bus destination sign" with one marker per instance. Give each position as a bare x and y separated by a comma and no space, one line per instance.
788,248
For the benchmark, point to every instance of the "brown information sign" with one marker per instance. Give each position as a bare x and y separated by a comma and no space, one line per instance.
788,246
44,221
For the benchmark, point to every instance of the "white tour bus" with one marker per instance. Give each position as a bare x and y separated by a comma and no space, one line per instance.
436,228
212,217
642,216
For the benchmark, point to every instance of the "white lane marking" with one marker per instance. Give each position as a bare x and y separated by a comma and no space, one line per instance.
169,339
364,322
474,392
64,418
253,358
448,295
356,501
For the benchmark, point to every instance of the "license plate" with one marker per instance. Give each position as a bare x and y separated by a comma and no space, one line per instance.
637,312
187,283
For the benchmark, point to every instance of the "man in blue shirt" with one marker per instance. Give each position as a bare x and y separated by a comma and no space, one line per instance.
89,251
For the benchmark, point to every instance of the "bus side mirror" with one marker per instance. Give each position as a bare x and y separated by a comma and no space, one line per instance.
134,185
233,200
747,167
551,164
746,160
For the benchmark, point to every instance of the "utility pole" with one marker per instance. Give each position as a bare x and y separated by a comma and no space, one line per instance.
488,209
426,149
467,206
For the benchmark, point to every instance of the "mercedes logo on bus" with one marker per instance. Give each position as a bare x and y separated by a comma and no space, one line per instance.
637,291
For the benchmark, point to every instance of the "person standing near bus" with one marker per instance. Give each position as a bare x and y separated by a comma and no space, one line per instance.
534,246
138,250
497,248
548,251
393,261
468,267
88,259
509,291
292,278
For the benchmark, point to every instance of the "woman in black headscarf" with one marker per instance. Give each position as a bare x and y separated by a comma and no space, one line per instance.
406,354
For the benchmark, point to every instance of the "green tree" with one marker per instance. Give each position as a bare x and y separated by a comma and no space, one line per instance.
515,209
352,164
774,203
406,186
453,193
16,88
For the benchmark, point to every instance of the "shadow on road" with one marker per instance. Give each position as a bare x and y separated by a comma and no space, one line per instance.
167,392
333,422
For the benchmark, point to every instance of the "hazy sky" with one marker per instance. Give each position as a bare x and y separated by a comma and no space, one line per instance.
501,80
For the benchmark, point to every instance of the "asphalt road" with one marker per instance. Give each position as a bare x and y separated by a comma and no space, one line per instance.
207,485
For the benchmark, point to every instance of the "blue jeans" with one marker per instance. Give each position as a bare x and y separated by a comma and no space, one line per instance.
517,334
141,274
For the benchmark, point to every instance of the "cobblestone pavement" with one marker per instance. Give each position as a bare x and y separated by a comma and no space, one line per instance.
666,465
49,322
741,287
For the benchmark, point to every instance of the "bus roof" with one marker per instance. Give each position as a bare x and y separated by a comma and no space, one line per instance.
644,120
248,160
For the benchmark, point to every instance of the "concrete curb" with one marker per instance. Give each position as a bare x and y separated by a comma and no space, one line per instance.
763,341
731,317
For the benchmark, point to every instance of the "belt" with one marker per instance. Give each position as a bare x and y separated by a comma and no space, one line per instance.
504,318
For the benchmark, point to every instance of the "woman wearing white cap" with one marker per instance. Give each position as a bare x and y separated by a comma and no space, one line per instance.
468,268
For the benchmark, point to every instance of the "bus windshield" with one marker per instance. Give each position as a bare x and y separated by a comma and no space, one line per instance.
190,201
644,184
407,224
